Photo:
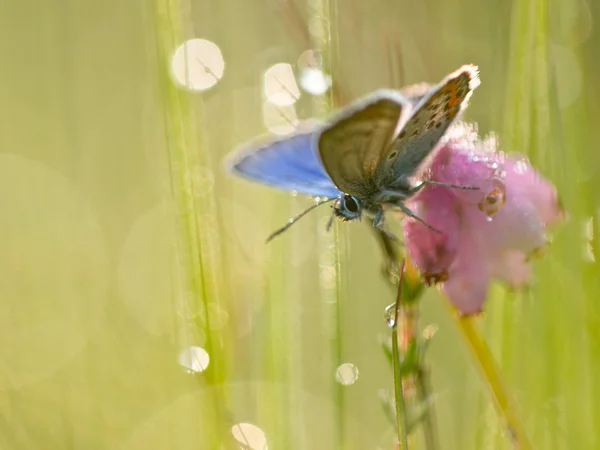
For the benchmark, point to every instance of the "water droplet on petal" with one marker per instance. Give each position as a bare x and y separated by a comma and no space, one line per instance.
390,315
494,199
521,167
346,374
250,436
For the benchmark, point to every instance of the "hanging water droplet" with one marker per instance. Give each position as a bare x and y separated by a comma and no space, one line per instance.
494,199
489,219
390,315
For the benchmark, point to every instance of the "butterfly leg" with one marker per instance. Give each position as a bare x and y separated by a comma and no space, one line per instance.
409,213
417,188
378,224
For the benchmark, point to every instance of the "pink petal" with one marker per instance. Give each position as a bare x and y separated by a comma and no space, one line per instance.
488,232
512,267
432,252
468,277
516,226
536,189
460,166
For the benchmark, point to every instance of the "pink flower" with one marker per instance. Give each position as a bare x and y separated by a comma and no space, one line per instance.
492,232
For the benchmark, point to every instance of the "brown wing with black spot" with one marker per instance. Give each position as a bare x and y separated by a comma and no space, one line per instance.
352,146
431,118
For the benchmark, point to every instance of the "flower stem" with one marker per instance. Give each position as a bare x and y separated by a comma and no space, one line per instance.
491,375
398,391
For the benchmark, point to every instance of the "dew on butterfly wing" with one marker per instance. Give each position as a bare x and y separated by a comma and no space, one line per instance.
197,64
250,436
279,85
390,315
346,374
194,359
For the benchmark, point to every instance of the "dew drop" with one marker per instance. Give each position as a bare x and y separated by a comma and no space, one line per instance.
194,359
489,219
281,120
279,85
309,59
250,436
346,374
197,64
314,81
390,315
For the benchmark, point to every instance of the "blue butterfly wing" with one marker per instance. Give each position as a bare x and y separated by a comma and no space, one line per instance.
290,163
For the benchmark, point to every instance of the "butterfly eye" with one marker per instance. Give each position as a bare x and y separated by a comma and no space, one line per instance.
351,204
348,208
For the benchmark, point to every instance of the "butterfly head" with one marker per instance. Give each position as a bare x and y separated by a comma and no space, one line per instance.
347,207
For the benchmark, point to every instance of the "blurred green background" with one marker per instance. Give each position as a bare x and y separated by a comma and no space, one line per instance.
124,242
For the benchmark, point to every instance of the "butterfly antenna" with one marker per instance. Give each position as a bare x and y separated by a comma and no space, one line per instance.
293,220
330,221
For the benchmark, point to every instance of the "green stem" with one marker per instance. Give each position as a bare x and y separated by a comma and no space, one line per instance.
187,197
491,376
398,390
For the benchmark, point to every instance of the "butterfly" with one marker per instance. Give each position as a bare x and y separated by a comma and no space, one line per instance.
364,157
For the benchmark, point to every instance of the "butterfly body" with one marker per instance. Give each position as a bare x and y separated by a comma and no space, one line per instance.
365,156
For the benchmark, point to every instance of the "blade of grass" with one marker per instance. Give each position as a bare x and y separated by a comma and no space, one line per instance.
322,12
191,206
401,425
490,374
